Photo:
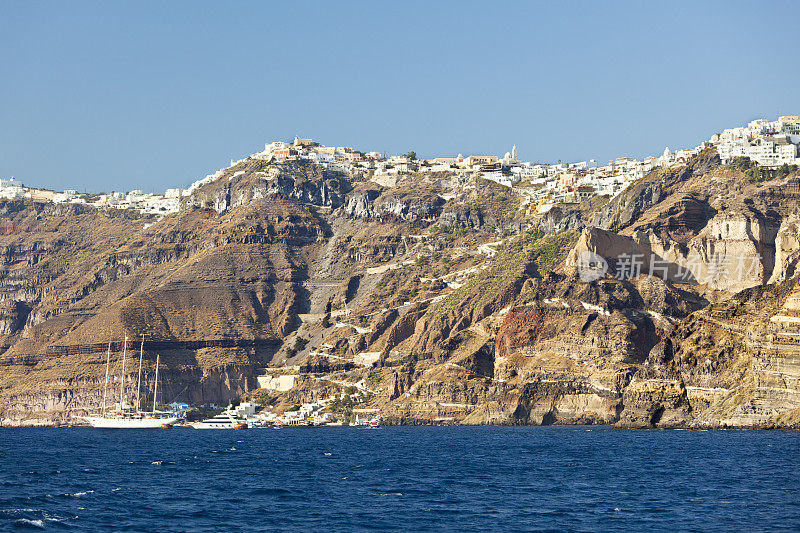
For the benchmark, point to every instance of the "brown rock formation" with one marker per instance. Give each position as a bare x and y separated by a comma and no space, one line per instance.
428,292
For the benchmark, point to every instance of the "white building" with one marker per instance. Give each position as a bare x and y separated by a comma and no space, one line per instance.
500,177
65,196
11,189
319,158
766,151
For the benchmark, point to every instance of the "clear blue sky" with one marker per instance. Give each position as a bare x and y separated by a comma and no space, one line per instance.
121,95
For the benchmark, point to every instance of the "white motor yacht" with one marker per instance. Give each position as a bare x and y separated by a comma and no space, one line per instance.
240,417
228,419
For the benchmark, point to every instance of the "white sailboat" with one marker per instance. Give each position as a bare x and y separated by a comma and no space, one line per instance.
122,415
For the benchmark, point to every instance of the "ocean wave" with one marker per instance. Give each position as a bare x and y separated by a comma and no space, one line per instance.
8,513
25,523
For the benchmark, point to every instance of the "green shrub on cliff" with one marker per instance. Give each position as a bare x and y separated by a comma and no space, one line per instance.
756,175
511,266
300,343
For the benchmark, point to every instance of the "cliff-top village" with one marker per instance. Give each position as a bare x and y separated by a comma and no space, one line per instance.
770,144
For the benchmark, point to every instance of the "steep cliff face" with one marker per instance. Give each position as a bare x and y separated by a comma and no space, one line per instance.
643,347
257,256
423,202
787,248
706,220
427,289
206,291
631,204
59,400
257,179
561,352
731,364
557,220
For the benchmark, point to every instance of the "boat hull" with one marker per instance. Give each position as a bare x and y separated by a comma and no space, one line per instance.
129,423
204,425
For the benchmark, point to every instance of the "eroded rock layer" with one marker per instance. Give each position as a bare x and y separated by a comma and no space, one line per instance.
445,297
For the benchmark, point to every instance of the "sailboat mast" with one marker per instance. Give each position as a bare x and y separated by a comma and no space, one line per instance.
139,379
155,387
105,383
122,386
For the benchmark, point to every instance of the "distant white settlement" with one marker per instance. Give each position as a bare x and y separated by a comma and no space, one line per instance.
157,204
767,143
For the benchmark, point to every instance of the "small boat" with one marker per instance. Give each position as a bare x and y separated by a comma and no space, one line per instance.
373,422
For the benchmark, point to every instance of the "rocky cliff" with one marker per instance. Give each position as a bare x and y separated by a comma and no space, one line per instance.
445,296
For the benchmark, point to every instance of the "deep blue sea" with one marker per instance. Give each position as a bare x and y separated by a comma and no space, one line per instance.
409,479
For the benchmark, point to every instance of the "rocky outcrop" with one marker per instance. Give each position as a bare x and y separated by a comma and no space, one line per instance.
655,404
787,249
557,220
735,251
423,207
599,252
403,206
361,204
13,315
255,180
460,216
629,206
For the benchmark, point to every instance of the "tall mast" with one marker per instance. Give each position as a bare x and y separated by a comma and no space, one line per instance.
122,386
155,387
139,379
105,383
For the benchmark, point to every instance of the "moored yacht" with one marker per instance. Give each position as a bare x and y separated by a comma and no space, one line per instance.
239,417
224,420
123,415
130,419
